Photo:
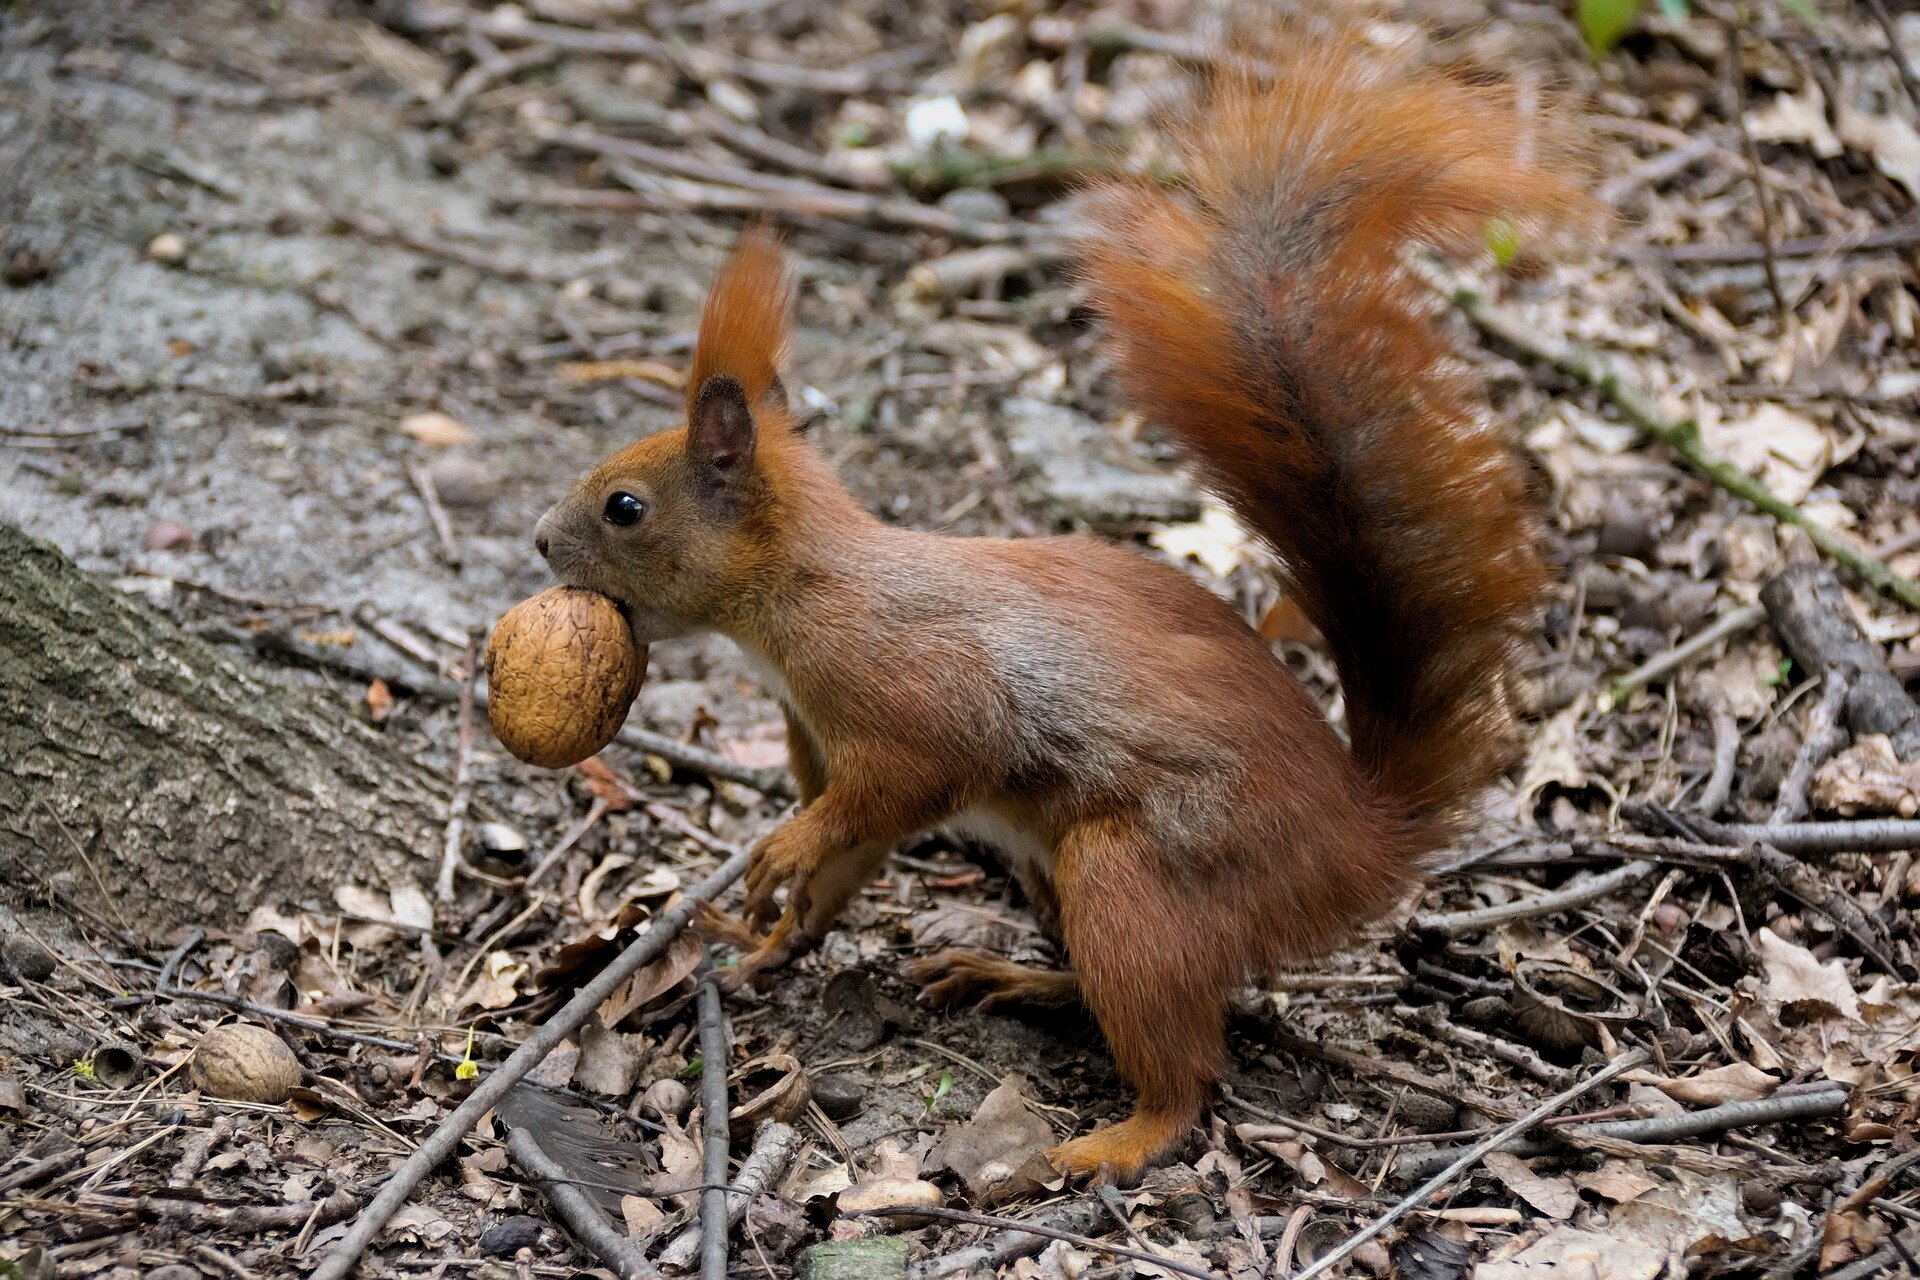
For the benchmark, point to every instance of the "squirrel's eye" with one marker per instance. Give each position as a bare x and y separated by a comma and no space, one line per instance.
624,509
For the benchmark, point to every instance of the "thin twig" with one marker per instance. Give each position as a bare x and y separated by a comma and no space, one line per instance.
582,1216
1825,735
773,1149
1811,1104
442,526
447,1136
713,1124
1892,32
1866,835
462,797
1591,370
1731,623
1737,94
1726,756
1034,1228
1577,894
1472,1156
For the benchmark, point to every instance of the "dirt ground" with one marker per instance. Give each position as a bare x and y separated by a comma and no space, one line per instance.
311,307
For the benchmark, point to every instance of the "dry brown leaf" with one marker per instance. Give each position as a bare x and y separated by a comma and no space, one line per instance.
653,980
1868,778
1800,982
642,1216
1555,1197
602,370
1798,118
1618,1180
379,701
437,430
1786,451
1739,1082
1001,1152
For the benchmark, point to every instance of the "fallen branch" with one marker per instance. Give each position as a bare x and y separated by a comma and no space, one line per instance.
237,1219
773,1149
1467,1159
1812,1104
1369,1067
1035,1228
583,1218
713,1124
448,1135
1865,835
1022,1240
1814,621
1578,894
1590,369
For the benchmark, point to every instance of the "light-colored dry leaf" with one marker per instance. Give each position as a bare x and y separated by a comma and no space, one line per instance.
1569,1252
1796,979
437,430
1889,140
1867,778
1555,1197
1217,540
642,1217
1784,450
1800,117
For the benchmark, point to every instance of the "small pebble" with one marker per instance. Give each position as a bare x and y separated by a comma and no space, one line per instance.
167,247
666,1098
839,1097
26,957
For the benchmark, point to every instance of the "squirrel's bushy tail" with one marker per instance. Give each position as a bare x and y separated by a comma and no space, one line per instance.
1261,312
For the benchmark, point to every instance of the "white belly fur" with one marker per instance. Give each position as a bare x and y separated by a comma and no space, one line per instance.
1024,851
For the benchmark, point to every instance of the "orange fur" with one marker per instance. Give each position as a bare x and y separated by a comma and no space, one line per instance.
1180,810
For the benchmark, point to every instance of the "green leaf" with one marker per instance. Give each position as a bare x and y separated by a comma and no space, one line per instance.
1605,22
1778,677
940,1090
1503,241
1674,9
83,1067
1805,10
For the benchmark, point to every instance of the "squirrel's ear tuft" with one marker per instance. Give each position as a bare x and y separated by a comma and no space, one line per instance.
720,428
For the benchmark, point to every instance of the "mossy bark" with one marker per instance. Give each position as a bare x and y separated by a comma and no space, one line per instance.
160,782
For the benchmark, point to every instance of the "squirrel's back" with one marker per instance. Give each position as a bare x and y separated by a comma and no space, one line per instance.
1263,314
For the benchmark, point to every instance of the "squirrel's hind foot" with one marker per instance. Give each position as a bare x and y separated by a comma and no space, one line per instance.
1120,1153
987,981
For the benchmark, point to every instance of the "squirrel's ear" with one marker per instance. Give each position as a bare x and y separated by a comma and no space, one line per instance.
720,428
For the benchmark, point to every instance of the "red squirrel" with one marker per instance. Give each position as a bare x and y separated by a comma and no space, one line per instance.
1174,801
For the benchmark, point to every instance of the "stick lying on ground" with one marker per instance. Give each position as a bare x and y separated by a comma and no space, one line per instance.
773,1149
714,1047
1809,1105
580,1214
1327,1261
442,1142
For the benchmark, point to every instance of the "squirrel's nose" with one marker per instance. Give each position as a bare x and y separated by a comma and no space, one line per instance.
540,544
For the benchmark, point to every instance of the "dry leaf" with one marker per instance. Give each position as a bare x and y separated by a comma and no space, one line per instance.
496,985
680,1159
1618,1180
1001,1152
1786,451
379,701
1868,778
1555,1197
1890,140
602,370
1217,540
605,784
1740,1082
1796,118
437,430
410,906
896,1182
642,1216
609,1061
1800,982
1566,1252
653,980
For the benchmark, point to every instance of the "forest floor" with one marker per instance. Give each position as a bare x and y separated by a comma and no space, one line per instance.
309,309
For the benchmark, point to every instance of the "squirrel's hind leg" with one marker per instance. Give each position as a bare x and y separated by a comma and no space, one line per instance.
956,976
1151,962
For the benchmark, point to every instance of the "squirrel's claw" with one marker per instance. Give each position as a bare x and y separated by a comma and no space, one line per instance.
778,861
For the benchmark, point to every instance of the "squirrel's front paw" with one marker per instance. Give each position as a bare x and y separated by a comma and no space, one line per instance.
779,860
